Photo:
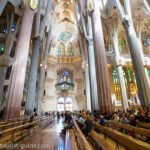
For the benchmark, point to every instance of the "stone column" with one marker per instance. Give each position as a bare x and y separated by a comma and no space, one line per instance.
17,79
140,74
88,90
40,90
93,81
32,77
104,94
122,88
123,91
92,68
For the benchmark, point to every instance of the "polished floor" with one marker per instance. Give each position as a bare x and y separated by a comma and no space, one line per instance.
46,139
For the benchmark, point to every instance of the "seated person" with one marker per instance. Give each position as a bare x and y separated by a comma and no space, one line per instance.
25,119
147,120
116,118
123,120
31,119
80,121
87,126
69,126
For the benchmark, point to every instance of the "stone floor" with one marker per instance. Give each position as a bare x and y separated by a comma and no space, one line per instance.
46,139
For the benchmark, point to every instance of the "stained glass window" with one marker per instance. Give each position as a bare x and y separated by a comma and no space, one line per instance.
120,46
134,77
125,77
61,80
61,50
115,77
129,74
148,40
65,36
148,72
68,80
110,49
65,73
2,48
69,51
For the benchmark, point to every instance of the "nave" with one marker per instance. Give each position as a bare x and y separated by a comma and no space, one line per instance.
88,60
48,138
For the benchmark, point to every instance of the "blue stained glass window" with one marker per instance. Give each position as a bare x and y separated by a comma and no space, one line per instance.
61,80
13,27
65,73
65,36
5,31
68,80
148,40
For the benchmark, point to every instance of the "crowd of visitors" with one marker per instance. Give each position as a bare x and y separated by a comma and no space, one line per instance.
85,119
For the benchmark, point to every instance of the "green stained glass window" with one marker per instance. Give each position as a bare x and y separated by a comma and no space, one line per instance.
149,49
120,49
129,74
61,49
65,36
69,51
134,77
119,42
125,77
2,49
148,72
110,49
115,77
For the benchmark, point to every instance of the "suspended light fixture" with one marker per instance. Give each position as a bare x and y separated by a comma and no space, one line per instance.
65,83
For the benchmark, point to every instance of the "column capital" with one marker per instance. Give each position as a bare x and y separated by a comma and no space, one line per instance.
37,40
31,4
127,21
91,7
90,40
119,65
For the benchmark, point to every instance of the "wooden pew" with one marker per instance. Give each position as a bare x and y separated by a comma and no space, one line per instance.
123,139
9,125
143,124
82,142
136,130
70,141
13,135
2,123
12,120
101,141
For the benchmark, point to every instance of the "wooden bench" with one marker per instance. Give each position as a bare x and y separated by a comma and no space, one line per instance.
82,142
143,124
9,125
13,135
70,141
133,129
2,123
123,139
101,141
